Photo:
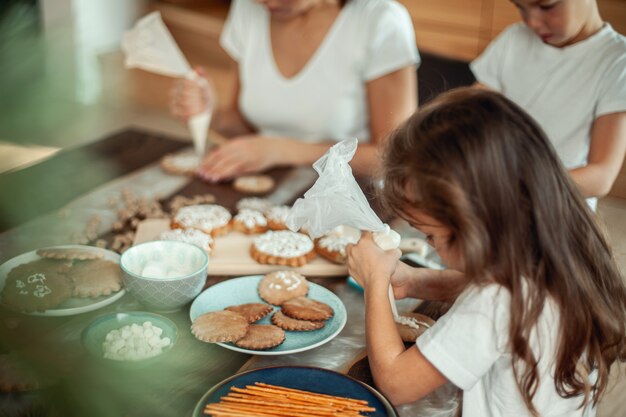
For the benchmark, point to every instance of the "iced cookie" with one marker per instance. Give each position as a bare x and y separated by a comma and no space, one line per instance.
412,325
181,163
280,286
254,184
250,222
95,278
211,219
36,286
194,236
332,246
282,248
295,325
276,217
219,326
254,203
261,337
303,308
251,311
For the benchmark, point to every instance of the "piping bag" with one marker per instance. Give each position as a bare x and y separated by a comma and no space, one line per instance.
150,46
336,199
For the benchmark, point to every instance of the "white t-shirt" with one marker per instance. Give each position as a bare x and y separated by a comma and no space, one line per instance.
327,99
564,89
469,346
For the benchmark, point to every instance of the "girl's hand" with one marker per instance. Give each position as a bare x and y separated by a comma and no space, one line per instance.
243,155
368,264
401,281
190,97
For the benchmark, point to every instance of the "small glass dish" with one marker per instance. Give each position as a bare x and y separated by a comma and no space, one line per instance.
95,334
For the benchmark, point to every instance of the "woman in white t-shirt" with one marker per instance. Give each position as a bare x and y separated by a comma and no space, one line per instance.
309,73
567,69
540,307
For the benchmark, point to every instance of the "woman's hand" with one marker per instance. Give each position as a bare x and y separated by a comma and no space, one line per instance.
243,155
368,264
189,97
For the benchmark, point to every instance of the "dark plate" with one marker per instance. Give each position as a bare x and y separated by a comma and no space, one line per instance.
312,379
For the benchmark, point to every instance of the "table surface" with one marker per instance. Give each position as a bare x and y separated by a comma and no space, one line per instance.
77,384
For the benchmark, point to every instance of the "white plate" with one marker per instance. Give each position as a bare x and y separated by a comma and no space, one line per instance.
74,305
244,290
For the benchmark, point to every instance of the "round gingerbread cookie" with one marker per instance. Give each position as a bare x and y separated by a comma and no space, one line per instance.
261,337
251,311
302,308
295,325
36,286
280,286
219,326
254,184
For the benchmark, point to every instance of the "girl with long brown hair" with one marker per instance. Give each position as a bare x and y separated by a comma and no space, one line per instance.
540,307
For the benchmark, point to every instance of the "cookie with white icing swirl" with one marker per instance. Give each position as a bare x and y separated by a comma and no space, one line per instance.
211,219
282,248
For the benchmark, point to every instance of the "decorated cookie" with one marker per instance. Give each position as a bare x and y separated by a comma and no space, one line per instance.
254,184
250,222
261,337
332,246
181,163
209,218
36,286
412,325
254,203
280,286
194,236
276,217
282,248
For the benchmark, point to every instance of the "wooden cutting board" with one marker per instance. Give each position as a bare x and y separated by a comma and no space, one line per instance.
231,255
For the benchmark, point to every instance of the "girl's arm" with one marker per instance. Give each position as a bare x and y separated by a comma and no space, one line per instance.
402,375
606,155
427,284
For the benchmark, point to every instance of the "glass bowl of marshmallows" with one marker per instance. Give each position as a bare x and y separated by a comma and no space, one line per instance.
129,337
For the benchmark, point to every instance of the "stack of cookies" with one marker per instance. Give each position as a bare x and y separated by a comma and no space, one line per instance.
237,324
58,275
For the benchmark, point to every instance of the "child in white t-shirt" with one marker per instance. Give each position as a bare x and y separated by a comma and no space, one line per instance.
567,69
308,73
539,307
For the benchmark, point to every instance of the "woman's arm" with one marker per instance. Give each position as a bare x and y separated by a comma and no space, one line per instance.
606,155
391,99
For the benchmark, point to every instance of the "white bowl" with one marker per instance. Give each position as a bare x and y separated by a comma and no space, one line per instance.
164,275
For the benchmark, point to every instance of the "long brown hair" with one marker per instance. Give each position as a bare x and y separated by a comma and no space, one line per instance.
477,163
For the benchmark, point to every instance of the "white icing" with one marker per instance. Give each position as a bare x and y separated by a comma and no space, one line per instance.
274,286
387,239
407,321
41,289
251,218
339,238
38,277
254,203
203,216
134,342
284,243
193,236
278,214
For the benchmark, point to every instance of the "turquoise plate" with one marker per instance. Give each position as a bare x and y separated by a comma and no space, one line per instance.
322,381
244,290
